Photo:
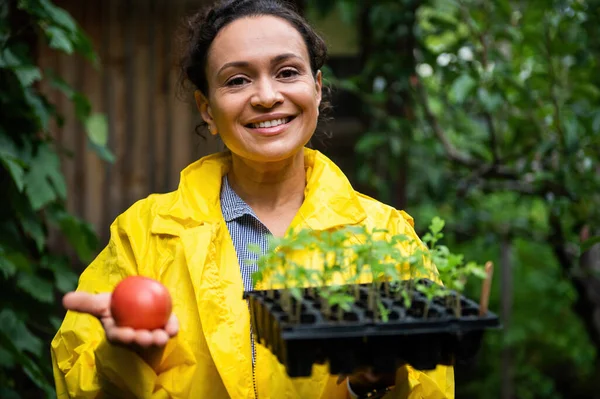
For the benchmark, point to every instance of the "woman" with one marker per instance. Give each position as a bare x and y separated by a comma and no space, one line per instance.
256,66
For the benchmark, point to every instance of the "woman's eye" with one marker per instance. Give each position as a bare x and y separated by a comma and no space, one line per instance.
238,81
288,73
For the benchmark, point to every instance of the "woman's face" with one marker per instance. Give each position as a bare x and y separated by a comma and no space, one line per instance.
262,96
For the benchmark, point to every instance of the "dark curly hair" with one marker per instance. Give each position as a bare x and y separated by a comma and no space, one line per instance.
203,26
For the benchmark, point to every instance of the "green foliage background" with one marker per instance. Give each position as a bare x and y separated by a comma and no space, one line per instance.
33,192
489,110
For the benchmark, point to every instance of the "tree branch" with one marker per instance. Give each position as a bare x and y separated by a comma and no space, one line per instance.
493,136
517,186
553,84
481,168
451,151
481,37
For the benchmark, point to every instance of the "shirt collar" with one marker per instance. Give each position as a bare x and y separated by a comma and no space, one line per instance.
232,206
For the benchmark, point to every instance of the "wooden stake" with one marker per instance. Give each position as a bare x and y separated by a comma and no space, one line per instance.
485,289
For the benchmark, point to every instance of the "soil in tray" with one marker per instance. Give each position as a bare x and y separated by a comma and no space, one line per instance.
357,338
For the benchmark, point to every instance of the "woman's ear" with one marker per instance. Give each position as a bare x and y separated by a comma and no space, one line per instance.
319,86
205,111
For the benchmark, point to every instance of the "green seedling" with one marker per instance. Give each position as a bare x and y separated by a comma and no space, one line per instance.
451,268
355,254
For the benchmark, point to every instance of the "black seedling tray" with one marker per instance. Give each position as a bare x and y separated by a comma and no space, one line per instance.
359,340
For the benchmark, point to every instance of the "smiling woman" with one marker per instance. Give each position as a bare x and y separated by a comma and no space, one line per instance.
262,96
255,67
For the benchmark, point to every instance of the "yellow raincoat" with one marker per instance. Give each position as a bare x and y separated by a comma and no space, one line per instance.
181,239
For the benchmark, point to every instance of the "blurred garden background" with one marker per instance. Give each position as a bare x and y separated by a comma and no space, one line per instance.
483,112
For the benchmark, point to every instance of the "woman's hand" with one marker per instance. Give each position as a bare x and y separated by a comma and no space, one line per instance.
364,381
98,305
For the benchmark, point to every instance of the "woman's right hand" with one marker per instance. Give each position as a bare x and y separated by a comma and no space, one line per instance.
98,305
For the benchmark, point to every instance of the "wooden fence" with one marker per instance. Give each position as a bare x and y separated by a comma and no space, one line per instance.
151,131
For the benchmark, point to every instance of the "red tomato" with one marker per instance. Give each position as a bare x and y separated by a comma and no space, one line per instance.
140,303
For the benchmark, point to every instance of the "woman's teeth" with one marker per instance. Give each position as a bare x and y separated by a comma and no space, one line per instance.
273,123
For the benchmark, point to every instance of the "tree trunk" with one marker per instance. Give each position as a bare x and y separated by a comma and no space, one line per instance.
588,283
584,273
506,282
590,263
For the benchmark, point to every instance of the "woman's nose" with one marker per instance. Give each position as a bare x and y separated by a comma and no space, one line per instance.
267,94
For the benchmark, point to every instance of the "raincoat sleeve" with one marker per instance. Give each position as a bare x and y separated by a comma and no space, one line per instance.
85,364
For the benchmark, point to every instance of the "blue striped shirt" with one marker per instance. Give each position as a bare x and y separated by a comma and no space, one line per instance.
244,228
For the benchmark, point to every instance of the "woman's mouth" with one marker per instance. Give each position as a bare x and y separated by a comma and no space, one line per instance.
270,127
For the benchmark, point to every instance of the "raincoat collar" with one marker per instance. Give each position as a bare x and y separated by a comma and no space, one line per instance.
330,200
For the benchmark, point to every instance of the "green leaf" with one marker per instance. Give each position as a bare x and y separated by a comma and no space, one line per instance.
461,88
8,393
478,272
8,59
383,311
59,16
370,142
55,322
38,189
596,123
83,108
296,293
437,225
59,40
7,360
59,83
83,45
44,181
66,281
27,75
64,277
80,235
36,287
442,42
572,132
396,145
103,152
491,102
15,329
348,85
39,108
15,261
16,171
341,299
589,243
16,338
7,146
7,268
12,159
254,248
32,226
97,129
